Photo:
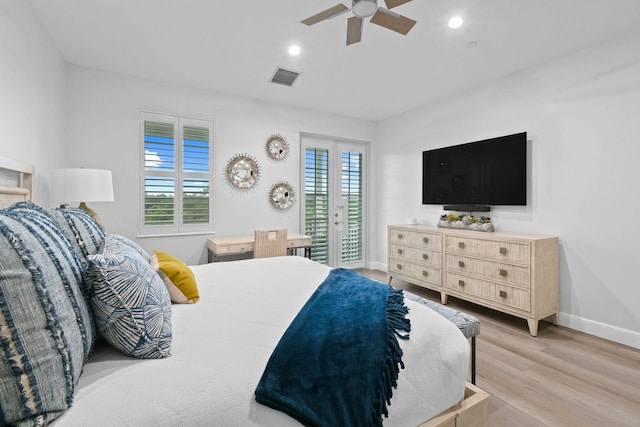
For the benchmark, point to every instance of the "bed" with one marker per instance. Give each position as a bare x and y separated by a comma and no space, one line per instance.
221,345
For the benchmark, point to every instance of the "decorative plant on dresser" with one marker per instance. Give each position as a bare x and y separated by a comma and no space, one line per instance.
513,273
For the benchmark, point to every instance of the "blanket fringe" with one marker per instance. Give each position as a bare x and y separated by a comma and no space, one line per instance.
396,323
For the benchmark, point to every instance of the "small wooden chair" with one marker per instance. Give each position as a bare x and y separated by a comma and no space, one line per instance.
270,243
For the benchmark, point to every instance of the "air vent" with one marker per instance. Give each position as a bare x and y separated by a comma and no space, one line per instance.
284,77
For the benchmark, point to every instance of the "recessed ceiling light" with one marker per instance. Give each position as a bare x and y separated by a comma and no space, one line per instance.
455,22
294,50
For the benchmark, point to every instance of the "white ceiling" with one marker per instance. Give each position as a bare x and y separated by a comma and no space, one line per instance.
234,46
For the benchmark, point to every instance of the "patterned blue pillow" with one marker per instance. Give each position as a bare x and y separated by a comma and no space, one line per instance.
125,242
45,322
131,305
82,229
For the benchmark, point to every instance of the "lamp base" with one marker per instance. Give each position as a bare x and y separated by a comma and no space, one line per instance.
93,213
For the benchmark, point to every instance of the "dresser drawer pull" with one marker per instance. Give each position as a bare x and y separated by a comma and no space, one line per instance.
461,264
425,273
503,272
399,251
399,266
461,283
503,294
400,236
425,240
425,256
503,251
461,245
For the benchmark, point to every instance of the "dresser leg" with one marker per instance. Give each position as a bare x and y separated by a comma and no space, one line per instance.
390,279
554,319
443,297
533,327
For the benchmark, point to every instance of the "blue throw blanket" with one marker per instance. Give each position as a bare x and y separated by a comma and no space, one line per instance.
339,359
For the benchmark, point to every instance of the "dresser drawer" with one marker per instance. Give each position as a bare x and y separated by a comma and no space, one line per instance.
494,292
469,285
507,273
495,250
409,253
416,238
416,271
513,297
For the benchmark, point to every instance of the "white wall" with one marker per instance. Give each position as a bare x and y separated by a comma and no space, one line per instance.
581,113
32,85
103,133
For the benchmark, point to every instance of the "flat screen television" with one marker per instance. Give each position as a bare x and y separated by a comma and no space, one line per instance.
481,173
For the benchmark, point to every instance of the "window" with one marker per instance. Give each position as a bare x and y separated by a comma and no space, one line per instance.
176,174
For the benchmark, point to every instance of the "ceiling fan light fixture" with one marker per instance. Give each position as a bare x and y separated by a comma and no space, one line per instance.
364,8
456,22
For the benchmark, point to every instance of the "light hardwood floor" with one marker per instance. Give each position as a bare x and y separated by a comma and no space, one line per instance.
562,377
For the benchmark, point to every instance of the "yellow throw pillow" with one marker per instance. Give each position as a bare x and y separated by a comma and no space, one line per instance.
178,278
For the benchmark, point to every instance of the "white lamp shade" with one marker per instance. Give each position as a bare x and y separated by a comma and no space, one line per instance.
364,8
76,185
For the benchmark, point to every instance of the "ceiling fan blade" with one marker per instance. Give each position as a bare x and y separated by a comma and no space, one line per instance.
392,21
354,30
395,3
329,13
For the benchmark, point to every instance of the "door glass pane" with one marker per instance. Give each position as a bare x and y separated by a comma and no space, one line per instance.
352,195
316,187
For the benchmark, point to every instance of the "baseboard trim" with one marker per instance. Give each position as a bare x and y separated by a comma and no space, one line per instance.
591,327
372,265
602,330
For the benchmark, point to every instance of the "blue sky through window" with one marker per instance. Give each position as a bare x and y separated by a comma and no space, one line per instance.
160,156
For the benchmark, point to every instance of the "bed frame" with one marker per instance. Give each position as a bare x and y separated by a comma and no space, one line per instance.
22,173
472,411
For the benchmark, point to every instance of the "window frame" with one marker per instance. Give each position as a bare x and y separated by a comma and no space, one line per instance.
178,175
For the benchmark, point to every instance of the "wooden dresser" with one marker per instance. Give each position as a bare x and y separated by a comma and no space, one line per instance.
512,273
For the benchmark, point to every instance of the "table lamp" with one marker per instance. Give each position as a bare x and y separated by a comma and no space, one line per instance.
81,185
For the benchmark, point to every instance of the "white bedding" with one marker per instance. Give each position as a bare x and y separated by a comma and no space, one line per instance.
221,346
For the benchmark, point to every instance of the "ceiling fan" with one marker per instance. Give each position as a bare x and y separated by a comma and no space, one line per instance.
363,9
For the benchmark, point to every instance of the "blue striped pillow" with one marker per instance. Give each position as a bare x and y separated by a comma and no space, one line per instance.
82,229
46,325
130,302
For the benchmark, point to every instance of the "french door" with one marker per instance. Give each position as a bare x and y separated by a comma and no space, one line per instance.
333,214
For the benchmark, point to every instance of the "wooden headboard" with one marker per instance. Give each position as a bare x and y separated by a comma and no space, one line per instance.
19,173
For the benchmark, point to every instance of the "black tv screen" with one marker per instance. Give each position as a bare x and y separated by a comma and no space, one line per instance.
488,172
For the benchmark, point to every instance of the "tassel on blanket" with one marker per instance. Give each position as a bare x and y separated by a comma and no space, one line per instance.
396,322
